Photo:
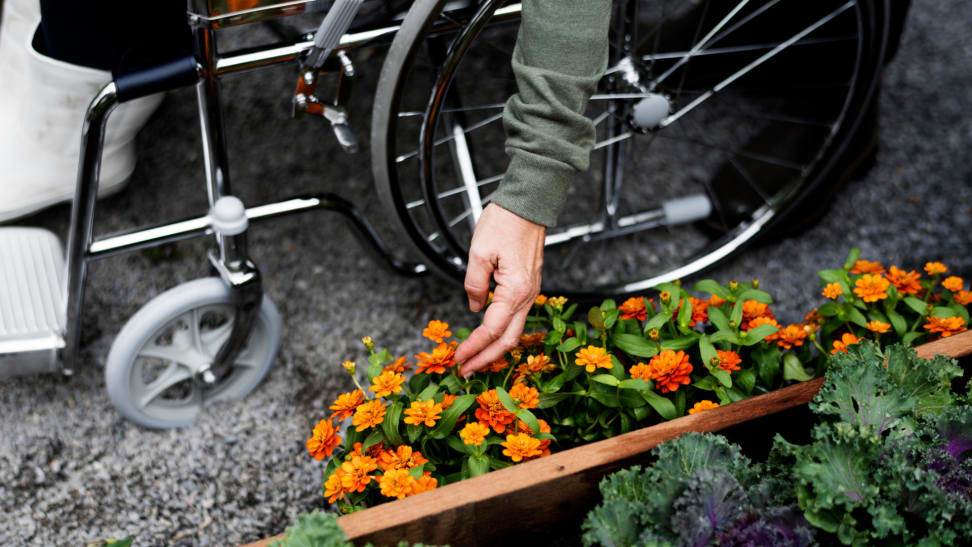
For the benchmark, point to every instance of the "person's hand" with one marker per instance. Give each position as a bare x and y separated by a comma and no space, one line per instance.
509,249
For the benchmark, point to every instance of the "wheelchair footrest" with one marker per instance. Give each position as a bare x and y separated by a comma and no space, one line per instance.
31,311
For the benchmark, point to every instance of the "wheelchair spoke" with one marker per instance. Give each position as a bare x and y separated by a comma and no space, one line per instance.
750,155
701,43
173,375
443,140
456,191
740,49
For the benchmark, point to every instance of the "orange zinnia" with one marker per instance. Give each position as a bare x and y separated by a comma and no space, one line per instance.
368,415
521,446
474,433
702,406
905,282
323,440
814,318
447,400
333,490
879,327
354,473
423,412
947,326
832,291
847,339
496,366
715,301
634,308
728,360
540,300
871,288
424,483
792,335
525,397
396,483
867,267
491,411
346,404
532,339
537,363
441,358
765,320
399,366
403,457
953,283
387,383
544,447
753,310
963,297
935,268
640,372
593,357
669,370
700,311
436,331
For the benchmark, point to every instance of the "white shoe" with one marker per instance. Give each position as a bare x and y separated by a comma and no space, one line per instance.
41,139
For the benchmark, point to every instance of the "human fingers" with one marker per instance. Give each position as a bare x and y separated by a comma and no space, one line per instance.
508,338
479,271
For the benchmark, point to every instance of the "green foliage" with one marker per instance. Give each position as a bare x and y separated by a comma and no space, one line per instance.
315,529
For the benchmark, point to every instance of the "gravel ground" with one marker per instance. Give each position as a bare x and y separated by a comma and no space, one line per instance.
73,471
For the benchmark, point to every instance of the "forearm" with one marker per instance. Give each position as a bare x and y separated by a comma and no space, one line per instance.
560,55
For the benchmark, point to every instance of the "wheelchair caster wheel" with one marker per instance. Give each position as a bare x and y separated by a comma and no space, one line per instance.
153,363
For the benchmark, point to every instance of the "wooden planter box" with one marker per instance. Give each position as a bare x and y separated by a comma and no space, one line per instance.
530,499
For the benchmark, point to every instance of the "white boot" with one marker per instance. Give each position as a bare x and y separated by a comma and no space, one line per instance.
40,146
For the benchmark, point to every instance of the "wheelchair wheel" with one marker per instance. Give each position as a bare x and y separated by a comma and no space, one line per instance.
760,103
153,361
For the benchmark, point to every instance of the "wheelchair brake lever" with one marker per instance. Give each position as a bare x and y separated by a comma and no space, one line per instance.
305,101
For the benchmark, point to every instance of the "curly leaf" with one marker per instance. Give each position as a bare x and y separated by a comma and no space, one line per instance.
711,502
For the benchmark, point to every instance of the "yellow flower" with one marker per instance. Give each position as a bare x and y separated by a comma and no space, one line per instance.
387,383
436,331
427,412
871,288
953,283
935,268
879,327
474,433
832,291
557,302
540,300
521,446
368,414
702,406
346,404
593,357
396,483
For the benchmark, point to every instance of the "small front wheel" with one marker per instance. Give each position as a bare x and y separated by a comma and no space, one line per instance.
153,363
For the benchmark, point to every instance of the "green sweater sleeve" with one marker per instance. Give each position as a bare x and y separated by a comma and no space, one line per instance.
560,54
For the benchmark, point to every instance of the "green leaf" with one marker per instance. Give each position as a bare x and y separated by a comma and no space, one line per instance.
559,325
451,383
636,345
554,384
126,542
767,360
674,290
658,321
856,316
636,383
735,395
478,465
746,380
610,318
942,312
462,333
685,312
608,305
375,437
617,369
793,369
451,416
683,342
711,287
596,319
390,424
916,305
548,400
553,337
662,406
418,382
832,276
413,432
709,383
708,352
580,330
625,423
853,256
909,339
898,322
529,419
606,395
456,444
606,379
719,319
569,345
960,311
427,393
373,370
722,376
506,400
640,412
756,335
757,295
829,309
735,317
725,336
568,312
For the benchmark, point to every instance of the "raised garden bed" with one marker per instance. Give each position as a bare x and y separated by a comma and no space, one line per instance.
528,500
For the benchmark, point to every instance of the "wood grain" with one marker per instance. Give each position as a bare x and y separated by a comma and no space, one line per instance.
529,499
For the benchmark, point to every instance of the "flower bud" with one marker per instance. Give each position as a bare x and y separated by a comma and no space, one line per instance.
369,343
653,334
733,286
743,334
755,283
732,324
714,362
348,366
677,282
665,296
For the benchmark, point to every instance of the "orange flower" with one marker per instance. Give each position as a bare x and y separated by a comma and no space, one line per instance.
374,451
953,283
496,366
832,291
537,363
715,301
962,297
532,340
700,311
753,310
728,360
396,483
935,268
447,400
814,318
323,440
525,397
403,457
521,446
871,288
424,484
847,339
354,473
333,488
634,308
593,357
436,331
346,404
879,327
387,383
669,370
427,412
867,267
765,320
906,283
522,427
368,414
702,406
491,411
792,335
947,326
399,366
540,300
474,433
441,358
640,372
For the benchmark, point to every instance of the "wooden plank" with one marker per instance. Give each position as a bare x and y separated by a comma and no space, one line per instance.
530,498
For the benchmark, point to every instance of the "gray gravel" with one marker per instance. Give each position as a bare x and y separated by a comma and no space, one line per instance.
73,471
